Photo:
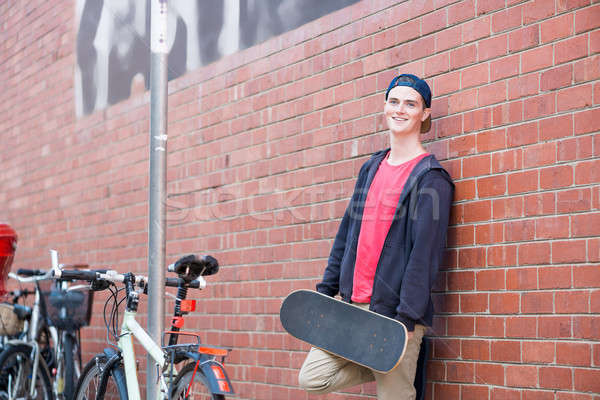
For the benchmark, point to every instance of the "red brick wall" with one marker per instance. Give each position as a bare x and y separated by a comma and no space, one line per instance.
264,147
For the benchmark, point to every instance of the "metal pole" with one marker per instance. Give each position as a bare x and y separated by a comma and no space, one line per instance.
158,184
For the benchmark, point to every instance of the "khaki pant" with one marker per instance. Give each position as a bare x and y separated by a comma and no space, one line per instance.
323,372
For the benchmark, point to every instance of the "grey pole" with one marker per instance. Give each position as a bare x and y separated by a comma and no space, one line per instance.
158,184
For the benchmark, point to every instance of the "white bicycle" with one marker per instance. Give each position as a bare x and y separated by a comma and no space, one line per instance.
113,373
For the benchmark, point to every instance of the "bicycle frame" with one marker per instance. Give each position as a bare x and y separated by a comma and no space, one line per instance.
131,328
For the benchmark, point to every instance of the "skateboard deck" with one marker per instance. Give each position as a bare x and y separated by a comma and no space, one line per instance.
361,336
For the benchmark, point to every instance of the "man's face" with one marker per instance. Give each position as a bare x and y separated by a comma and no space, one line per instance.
405,110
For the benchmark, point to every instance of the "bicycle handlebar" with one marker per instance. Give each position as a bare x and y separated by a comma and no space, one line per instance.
114,276
30,272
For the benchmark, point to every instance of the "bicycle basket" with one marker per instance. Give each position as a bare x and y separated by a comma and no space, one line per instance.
69,310
10,324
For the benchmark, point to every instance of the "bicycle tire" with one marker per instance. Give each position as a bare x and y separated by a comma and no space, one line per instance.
88,384
16,372
200,389
69,366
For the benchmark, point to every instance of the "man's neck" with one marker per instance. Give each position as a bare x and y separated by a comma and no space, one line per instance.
404,148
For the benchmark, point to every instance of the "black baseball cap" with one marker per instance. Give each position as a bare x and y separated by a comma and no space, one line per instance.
420,86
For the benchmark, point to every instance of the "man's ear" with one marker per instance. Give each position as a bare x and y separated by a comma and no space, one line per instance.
426,114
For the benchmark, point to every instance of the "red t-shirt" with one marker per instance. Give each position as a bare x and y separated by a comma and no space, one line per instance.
378,214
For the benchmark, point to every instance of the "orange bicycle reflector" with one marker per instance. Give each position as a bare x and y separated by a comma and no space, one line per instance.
177,322
187,305
221,380
213,351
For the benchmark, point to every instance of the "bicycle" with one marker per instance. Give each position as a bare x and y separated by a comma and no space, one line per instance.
113,372
50,345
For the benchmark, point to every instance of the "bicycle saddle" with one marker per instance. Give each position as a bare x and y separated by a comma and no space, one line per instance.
190,267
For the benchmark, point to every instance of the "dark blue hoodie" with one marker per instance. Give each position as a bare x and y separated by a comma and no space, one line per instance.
410,257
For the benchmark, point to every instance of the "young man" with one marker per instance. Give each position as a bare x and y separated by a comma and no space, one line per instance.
387,251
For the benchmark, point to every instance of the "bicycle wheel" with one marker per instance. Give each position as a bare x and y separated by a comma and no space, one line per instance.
68,366
199,389
89,381
17,371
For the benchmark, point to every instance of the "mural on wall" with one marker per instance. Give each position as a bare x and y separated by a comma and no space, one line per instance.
113,39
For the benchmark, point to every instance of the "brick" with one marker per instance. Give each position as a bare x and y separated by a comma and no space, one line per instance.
520,230
568,251
556,177
575,200
475,166
491,140
447,39
556,378
586,327
471,257
554,277
537,10
586,121
539,204
587,172
521,327
552,227
446,348
575,149
521,182
487,6
522,279
507,113
492,186
511,207
446,391
572,302
477,120
461,281
538,352
524,86
462,146
490,280
585,275
491,94
556,28
464,190
476,29
446,83
574,97
587,19
507,19
539,155
523,38
556,127
460,326
522,376
434,22
576,354
488,374
522,134
505,67
471,392
539,106
570,49
534,254
474,76
437,64
462,101
461,11
587,69
489,326
556,78
587,380
463,56
537,58
493,47
506,351
473,302
505,303
585,225
554,327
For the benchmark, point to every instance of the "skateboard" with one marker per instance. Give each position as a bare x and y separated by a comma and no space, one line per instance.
361,336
